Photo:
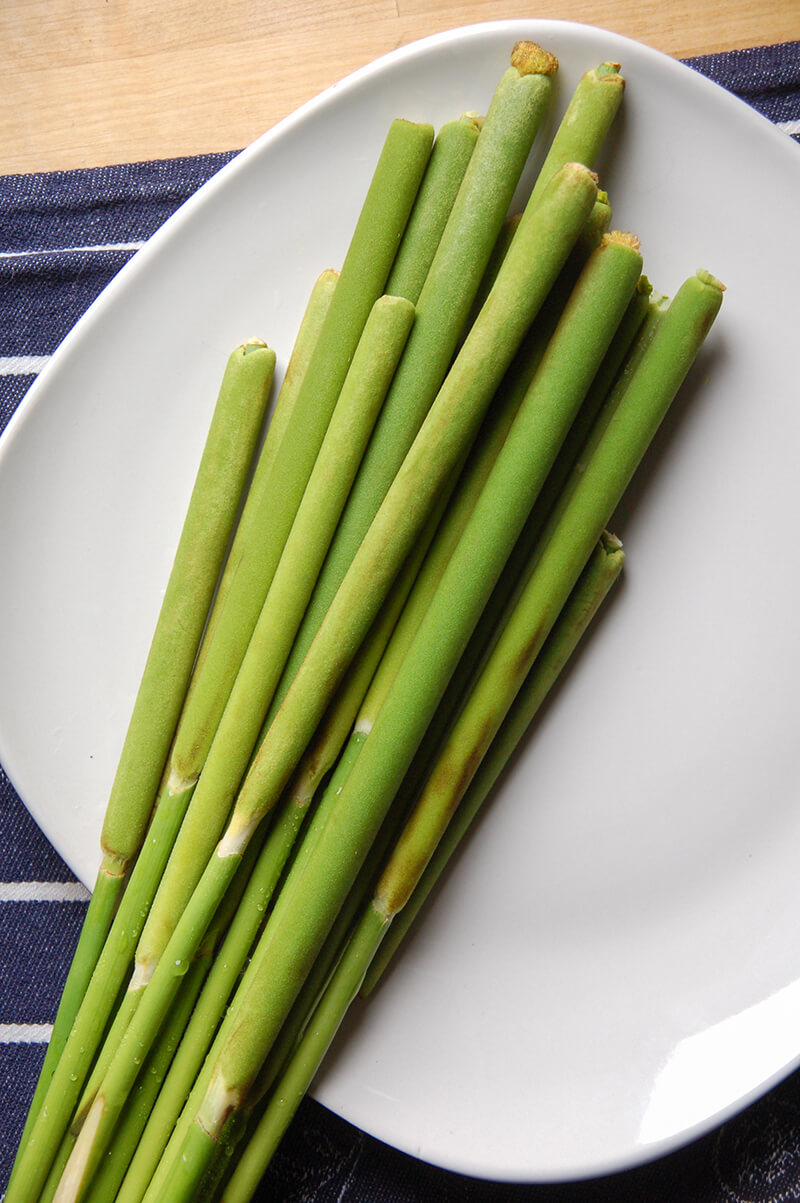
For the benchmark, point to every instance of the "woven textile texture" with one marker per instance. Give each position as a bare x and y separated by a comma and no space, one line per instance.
63,236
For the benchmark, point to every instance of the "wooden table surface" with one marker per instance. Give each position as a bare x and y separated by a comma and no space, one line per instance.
93,82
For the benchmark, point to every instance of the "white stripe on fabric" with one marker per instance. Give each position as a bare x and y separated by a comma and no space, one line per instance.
73,250
22,365
43,891
25,1033
789,127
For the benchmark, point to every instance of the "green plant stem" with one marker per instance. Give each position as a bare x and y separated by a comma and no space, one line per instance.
516,382
135,1115
295,1081
294,809
150,1175
537,254
490,440
594,494
507,134
234,430
498,254
308,332
469,484
126,1004
363,391
305,912
451,153
494,692
334,324
373,933
633,329
597,578
366,267
371,370
510,395
171,808
138,1107
492,435
584,126
590,497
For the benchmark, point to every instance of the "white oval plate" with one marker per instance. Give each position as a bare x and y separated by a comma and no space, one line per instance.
614,965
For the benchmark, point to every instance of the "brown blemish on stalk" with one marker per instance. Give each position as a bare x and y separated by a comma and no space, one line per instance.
520,666
462,779
401,878
532,59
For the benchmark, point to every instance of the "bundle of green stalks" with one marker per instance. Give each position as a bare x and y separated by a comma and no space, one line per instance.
421,544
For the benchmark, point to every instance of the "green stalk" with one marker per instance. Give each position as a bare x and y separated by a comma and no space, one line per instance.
334,336
516,382
366,267
590,497
584,126
139,1105
294,809
149,1082
469,484
148,1175
507,134
202,1026
308,333
221,477
537,254
499,251
492,435
370,939
489,702
511,393
171,809
594,493
222,473
126,1005
305,912
597,578
365,386
630,339
451,153
296,1080
490,440
363,391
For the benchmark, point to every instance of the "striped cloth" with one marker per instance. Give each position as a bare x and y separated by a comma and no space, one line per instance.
62,237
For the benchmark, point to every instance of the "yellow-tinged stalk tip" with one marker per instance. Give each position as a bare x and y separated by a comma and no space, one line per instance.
621,238
471,118
532,59
705,277
609,73
611,544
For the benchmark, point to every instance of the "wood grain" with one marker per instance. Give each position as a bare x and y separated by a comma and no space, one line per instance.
92,82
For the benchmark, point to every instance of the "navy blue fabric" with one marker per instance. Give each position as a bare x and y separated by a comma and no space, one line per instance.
12,390
767,77
106,205
63,236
